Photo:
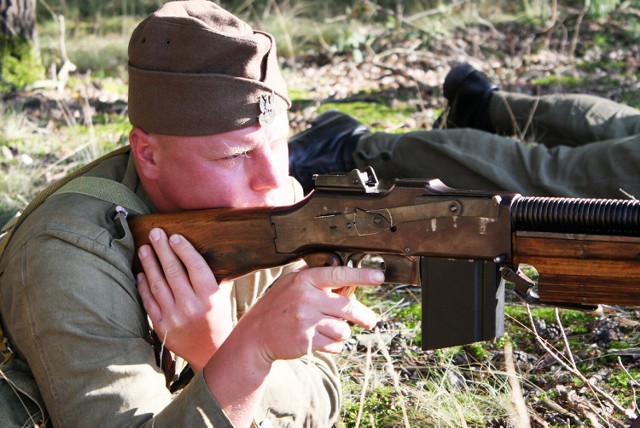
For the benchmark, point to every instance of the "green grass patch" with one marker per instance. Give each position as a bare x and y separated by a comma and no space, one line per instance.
621,379
624,382
559,80
379,116
299,94
548,314
379,405
602,64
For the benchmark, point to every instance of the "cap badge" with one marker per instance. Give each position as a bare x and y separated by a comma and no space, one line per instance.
267,112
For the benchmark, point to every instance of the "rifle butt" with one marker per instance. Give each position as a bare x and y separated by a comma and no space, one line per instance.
233,242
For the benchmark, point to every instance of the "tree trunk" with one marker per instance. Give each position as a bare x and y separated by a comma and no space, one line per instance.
18,18
20,63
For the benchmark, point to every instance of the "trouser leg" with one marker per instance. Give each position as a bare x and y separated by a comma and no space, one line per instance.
562,119
472,159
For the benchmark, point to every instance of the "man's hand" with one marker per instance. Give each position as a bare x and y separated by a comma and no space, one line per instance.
190,311
299,314
303,313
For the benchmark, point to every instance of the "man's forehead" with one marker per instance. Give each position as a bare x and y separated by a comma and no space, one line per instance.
278,129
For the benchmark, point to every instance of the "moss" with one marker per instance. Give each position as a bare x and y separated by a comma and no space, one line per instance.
566,81
380,116
20,64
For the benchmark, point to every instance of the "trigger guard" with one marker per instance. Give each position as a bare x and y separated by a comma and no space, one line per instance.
323,259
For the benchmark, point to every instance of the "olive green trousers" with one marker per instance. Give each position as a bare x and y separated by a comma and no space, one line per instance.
559,145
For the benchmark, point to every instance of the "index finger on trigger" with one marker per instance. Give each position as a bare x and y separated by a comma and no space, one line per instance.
338,277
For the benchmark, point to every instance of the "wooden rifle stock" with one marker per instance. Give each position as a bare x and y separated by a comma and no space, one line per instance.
233,242
585,251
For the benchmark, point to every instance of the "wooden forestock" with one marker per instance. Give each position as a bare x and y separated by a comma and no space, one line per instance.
588,269
585,250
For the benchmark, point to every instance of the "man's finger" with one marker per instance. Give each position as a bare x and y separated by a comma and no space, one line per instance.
333,278
148,300
174,271
155,280
357,313
335,329
199,273
337,277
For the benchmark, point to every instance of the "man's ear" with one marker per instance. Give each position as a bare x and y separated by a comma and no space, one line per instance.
144,149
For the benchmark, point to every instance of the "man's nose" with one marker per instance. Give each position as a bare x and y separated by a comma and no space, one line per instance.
267,171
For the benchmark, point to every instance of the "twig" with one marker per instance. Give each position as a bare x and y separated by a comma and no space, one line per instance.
530,118
538,419
591,414
372,421
564,338
67,66
627,194
632,383
560,410
394,377
576,34
365,383
517,130
463,422
400,19
552,22
287,34
521,415
16,390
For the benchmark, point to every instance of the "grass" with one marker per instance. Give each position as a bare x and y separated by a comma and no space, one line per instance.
35,152
470,385
379,115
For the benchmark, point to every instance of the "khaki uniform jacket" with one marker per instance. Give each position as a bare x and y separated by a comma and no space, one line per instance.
71,310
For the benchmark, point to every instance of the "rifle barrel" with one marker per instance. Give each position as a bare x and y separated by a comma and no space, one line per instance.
576,215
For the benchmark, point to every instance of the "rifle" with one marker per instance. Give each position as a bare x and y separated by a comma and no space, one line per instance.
455,244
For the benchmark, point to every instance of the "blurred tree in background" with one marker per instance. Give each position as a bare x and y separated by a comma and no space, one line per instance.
17,18
19,60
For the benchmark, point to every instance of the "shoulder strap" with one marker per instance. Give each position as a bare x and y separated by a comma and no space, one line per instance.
107,190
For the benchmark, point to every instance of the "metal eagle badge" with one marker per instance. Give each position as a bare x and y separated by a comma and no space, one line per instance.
267,109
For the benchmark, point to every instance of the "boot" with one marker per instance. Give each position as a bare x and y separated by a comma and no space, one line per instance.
326,147
468,92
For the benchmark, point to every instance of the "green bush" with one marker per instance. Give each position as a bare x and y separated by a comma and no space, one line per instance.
20,64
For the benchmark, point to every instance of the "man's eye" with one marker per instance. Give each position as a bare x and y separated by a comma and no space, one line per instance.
244,154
